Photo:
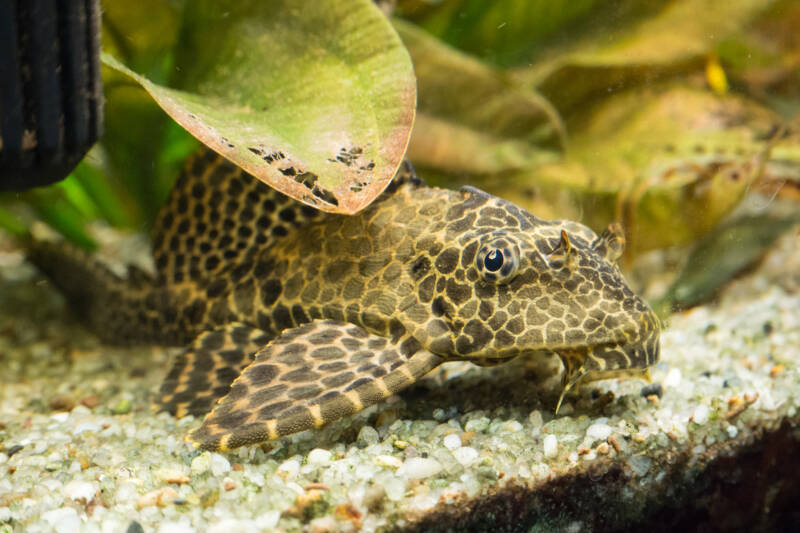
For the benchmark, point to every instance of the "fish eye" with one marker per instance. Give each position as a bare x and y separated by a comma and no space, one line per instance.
498,261
493,260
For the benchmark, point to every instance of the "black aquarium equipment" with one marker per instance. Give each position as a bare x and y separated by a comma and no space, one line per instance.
50,88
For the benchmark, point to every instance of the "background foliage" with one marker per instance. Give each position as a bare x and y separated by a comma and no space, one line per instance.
661,114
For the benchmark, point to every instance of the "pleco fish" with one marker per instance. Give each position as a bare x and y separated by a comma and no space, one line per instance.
293,317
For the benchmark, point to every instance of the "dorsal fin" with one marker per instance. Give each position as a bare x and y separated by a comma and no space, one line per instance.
215,214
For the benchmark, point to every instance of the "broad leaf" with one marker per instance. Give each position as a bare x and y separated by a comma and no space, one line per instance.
471,117
314,98
661,45
668,163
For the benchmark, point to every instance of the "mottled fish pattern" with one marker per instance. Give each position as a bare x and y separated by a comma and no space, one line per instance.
292,317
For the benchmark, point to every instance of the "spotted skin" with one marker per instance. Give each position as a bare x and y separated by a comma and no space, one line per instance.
204,371
320,371
429,274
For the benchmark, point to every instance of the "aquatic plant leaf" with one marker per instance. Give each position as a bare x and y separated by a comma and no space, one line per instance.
646,48
721,255
506,32
470,116
314,98
764,56
668,163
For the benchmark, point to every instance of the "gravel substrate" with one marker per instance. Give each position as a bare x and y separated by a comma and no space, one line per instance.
81,449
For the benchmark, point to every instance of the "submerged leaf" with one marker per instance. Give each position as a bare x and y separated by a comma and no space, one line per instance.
314,98
637,51
668,164
472,117
721,255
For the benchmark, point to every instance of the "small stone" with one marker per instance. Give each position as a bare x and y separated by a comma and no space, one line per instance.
452,441
652,389
318,456
367,437
77,489
175,527
63,520
640,464
159,497
171,475
134,527
776,370
388,461
219,465
400,444
673,378
535,419
92,401
228,484
598,431
122,407
419,468
510,426
550,445
289,468
323,524
268,520
477,424
465,455
61,402
732,431
701,414
201,464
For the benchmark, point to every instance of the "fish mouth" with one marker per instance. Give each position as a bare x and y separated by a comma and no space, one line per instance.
610,360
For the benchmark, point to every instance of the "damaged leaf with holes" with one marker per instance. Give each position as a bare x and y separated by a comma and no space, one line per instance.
313,98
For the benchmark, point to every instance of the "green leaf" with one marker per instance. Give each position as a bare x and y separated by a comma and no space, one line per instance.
471,117
505,32
636,51
667,163
722,254
315,98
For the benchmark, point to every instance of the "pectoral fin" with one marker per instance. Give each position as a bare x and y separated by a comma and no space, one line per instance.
306,377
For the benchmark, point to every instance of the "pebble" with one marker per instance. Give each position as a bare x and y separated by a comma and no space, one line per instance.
175,527
477,424
550,445
673,378
640,464
535,419
318,456
201,464
367,437
701,414
159,497
466,455
419,468
452,442
219,465
77,489
63,520
598,431
268,520
122,407
289,468
388,461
